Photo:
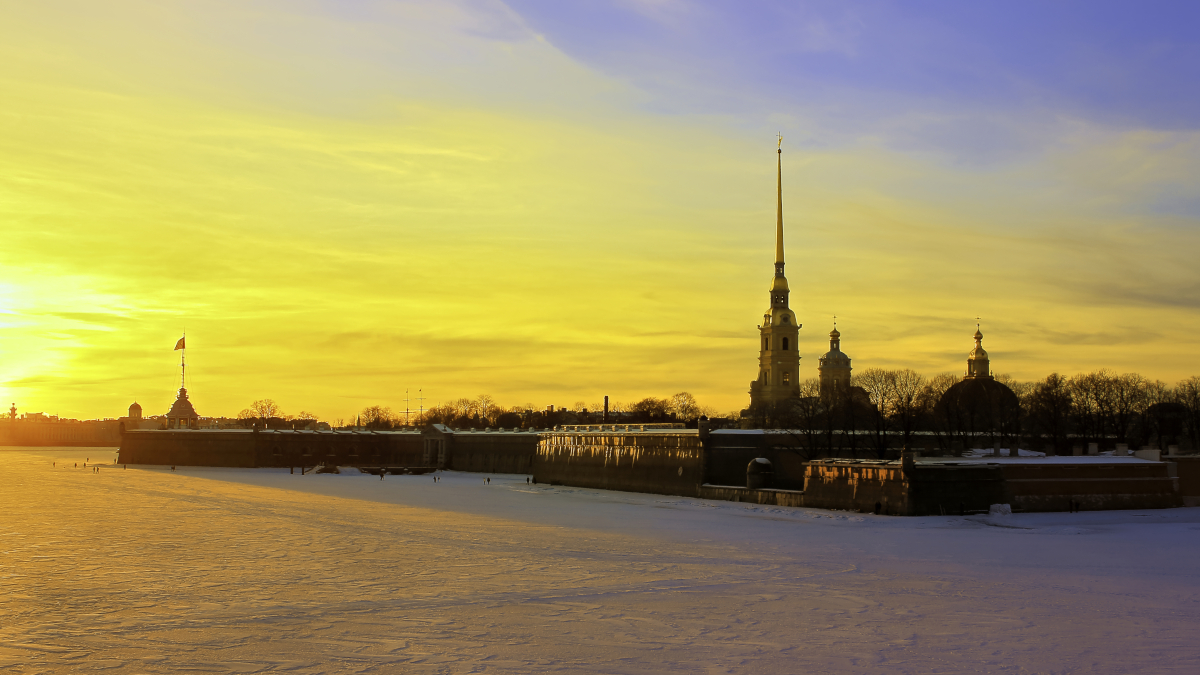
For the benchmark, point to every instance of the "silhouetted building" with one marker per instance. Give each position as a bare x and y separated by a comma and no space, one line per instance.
778,359
834,367
182,415
979,407
135,411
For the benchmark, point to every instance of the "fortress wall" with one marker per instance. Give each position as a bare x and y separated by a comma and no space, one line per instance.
1188,470
916,490
726,455
341,448
248,448
188,448
739,494
945,489
1095,486
856,486
728,452
668,462
492,452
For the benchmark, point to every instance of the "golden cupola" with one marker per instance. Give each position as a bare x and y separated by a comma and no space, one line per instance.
978,364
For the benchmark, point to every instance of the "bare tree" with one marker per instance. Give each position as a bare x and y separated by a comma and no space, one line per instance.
684,406
1050,410
879,385
377,417
650,408
265,408
909,406
1189,395
1128,399
933,391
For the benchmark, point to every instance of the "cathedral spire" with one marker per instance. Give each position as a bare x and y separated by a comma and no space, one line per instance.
779,358
779,208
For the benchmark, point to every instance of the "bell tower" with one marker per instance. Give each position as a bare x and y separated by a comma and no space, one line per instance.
778,356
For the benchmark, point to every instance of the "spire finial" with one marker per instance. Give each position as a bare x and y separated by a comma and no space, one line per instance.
779,207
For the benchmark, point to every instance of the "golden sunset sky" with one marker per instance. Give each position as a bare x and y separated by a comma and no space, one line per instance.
551,202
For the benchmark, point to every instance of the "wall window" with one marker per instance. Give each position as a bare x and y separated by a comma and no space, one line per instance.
785,344
766,344
787,376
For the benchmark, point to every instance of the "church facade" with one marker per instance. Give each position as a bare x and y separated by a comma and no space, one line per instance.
779,357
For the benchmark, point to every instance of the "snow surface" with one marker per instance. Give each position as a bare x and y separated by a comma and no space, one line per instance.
254,570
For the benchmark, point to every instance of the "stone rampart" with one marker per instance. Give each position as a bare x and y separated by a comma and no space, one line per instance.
1188,471
856,485
660,462
492,452
1092,485
769,497
254,448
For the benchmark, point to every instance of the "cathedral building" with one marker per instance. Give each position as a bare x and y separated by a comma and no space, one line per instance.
834,367
778,358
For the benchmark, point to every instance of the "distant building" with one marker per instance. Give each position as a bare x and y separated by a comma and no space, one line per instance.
40,429
778,356
834,367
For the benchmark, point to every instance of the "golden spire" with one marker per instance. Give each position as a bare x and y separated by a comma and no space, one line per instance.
779,205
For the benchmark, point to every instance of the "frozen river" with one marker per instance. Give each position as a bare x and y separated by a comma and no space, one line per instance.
253,570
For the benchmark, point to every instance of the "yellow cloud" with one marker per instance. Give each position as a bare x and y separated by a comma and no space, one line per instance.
414,235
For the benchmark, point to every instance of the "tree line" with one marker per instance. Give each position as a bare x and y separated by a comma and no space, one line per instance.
483,412
893,408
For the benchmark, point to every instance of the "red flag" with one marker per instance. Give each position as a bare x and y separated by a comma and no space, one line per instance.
179,345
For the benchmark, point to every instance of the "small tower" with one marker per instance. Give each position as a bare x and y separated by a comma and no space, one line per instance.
778,355
135,411
978,366
182,415
834,367
12,412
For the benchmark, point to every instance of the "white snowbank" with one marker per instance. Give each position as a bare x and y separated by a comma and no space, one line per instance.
243,570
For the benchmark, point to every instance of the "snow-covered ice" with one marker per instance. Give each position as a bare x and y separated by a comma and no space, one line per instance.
254,570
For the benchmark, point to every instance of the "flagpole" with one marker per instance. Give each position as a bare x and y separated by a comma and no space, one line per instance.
183,363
